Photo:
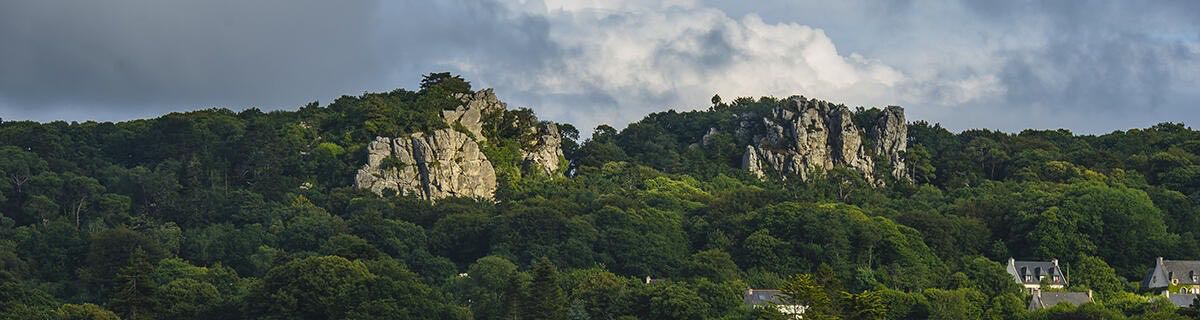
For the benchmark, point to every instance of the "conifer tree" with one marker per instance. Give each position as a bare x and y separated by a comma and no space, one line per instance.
545,299
133,298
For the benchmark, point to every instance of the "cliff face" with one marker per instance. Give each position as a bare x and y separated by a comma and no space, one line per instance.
806,136
891,139
449,162
444,163
546,150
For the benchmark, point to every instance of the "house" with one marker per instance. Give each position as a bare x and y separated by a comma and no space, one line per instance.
1173,276
765,298
1031,274
1047,299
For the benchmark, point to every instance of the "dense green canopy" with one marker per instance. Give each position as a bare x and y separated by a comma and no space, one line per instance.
222,214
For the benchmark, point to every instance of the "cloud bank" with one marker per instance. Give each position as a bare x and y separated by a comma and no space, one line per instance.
1005,65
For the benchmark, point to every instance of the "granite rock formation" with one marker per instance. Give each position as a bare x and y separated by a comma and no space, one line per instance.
444,163
449,162
891,139
545,152
470,114
806,136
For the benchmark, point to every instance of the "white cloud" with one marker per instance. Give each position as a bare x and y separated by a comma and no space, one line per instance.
648,57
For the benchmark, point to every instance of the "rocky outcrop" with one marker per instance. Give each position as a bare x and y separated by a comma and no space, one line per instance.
449,162
806,136
470,114
545,153
891,139
444,163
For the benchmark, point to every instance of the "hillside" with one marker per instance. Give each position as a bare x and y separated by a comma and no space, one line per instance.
446,203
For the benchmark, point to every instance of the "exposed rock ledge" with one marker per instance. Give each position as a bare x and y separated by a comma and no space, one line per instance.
807,136
445,163
449,162
546,151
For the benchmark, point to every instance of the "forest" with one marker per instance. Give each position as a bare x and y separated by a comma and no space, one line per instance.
217,214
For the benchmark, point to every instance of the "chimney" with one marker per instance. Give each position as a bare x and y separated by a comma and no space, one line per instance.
647,279
1090,295
1160,261
1012,262
1055,262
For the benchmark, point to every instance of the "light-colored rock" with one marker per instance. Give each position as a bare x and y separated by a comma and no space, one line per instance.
449,162
474,107
891,139
546,152
707,138
444,163
807,136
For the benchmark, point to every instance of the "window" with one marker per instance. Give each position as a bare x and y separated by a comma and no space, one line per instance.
1037,273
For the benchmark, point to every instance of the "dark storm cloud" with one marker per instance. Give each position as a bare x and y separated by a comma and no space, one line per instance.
143,55
129,58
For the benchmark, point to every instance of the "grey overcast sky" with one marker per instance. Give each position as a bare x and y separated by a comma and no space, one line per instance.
1089,66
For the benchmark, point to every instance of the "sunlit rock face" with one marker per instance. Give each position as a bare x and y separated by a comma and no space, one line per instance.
444,163
449,162
545,152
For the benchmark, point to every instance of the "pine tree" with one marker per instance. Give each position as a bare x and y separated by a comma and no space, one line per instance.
133,298
545,299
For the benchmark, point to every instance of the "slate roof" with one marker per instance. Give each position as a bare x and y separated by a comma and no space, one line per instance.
1049,299
1183,300
1187,272
1033,269
757,297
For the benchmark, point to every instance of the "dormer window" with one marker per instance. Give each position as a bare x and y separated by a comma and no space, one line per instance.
1037,273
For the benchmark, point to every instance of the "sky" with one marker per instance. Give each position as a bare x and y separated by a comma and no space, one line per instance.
1088,66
